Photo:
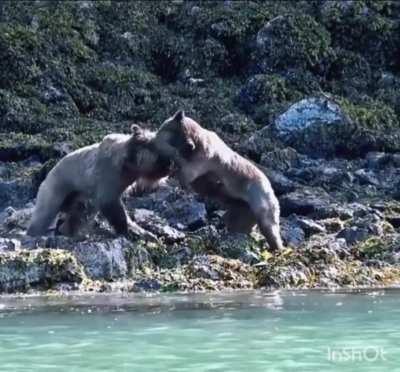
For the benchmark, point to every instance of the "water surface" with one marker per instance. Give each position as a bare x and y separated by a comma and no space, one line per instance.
309,331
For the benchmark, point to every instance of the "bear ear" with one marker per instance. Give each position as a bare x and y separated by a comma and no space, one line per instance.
179,116
136,130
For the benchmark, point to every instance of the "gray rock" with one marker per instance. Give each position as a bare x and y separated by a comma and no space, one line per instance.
292,234
315,126
307,113
353,234
280,183
113,259
15,193
146,285
239,246
281,159
366,177
9,245
188,213
309,226
333,210
171,203
303,202
157,225
40,268
18,219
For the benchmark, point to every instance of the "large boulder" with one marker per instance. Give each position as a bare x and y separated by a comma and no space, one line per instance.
308,125
320,126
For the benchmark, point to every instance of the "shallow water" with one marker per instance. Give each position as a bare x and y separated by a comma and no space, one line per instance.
254,331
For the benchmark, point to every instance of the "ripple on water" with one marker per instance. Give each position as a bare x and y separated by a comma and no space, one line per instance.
256,338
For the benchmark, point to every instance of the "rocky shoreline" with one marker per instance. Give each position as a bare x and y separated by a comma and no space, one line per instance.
309,90
340,224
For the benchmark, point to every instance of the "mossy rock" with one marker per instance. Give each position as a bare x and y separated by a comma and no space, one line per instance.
323,127
265,96
126,93
291,41
19,146
348,74
39,268
364,26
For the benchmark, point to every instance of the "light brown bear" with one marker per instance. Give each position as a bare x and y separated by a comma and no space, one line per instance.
210,167
100,172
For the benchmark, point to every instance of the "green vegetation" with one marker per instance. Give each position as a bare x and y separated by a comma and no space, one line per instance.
73,71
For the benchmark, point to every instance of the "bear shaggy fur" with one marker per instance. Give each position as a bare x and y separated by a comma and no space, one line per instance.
100,172
207,165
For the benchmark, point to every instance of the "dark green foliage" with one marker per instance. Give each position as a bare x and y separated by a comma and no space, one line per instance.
76,70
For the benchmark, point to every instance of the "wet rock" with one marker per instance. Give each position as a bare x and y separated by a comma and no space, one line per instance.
157,225
18,220
333,210
179,208
380,160
394,221
9,245
309,226
110,260
146,285
280,183
364,227
189,213
239,246
332,225
376,160
40,268
366,177
281,159
354,234
303,202
229,272
292,234
15,193
181,255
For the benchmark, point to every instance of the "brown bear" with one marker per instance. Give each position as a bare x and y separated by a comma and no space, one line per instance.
210,167
100,172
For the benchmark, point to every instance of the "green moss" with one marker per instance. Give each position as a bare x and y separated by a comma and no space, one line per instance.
18,49
291,41
265,96
370,115
18,146
18,114
41,268
363,25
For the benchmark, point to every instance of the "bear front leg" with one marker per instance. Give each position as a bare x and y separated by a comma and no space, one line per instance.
116,215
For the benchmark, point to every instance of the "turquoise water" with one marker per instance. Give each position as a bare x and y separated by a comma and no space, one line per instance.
245,332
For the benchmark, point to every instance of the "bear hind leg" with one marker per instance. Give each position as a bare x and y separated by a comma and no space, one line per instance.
265,207
239,217
48,204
